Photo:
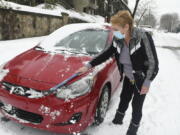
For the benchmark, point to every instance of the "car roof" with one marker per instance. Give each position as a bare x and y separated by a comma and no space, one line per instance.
87,26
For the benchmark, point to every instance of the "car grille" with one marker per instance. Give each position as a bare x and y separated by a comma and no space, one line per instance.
22,114
31,117
21,91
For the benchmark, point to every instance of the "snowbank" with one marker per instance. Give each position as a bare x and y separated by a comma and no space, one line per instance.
166,39
74,14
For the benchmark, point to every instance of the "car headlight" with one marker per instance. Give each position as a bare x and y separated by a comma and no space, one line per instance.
76,89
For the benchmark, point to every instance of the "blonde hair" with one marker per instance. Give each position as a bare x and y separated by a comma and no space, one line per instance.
122,18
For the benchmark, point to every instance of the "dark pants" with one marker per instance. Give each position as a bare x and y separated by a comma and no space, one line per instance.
130,91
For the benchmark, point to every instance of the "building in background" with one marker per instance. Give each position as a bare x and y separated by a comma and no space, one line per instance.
105,8
109,7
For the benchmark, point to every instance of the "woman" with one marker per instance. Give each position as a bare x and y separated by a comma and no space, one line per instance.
136,57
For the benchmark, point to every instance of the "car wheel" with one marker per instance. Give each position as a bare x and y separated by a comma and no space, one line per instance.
102,106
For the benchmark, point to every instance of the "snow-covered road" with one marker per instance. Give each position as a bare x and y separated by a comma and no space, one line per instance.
167,39
162,105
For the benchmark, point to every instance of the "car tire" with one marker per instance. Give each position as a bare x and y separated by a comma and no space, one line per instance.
102,106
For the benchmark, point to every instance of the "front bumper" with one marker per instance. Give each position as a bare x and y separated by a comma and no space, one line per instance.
49,113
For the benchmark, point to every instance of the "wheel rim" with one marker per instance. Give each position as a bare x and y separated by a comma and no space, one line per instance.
104,104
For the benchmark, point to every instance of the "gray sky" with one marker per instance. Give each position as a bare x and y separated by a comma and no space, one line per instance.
163,6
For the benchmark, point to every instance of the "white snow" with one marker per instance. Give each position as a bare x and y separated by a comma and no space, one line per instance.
9,49
166,39
65,31
74,14
44,109
48,112
34,94
161,115
3,73
55,12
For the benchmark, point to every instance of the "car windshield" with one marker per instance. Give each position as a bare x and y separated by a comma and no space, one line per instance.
89,41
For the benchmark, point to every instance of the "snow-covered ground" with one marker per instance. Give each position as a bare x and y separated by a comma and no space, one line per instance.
56,11
167,39
162,105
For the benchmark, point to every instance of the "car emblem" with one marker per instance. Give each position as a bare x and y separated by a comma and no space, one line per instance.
19,91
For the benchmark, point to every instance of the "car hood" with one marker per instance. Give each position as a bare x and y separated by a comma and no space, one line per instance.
44,67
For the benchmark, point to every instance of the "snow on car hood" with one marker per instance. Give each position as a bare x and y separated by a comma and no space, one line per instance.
44,67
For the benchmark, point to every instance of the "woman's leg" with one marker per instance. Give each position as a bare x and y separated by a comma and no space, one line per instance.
137,105
125,97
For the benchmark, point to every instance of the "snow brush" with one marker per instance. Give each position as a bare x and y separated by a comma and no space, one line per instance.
55,88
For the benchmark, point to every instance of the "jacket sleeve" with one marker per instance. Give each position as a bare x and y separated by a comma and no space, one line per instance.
103,56
153,66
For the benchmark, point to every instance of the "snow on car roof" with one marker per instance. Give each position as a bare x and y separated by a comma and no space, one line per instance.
67,30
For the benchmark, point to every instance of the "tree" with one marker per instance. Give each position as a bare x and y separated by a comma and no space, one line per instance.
126,1
148,19
145,14
169,22
135,8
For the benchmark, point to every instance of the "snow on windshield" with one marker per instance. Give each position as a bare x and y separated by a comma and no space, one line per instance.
52,42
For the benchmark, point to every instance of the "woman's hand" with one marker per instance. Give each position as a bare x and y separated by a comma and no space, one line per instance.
144,90
82,70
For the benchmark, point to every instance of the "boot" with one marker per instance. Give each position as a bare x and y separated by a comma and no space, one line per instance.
132,130
118,119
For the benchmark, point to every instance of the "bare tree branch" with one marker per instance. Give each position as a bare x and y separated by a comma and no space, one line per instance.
135,8
141,16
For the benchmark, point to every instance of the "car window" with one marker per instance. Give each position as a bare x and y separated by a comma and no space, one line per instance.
88,41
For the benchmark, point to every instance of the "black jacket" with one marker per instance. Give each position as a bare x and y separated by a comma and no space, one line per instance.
142,54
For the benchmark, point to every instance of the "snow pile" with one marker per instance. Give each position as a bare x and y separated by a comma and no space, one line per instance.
55,12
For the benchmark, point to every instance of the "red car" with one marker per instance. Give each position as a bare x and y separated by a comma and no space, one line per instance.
83,100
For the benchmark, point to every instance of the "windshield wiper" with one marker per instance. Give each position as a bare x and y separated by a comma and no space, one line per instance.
39,48
71,51
92,53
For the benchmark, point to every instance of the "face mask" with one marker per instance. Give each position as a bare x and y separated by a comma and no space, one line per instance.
118,35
